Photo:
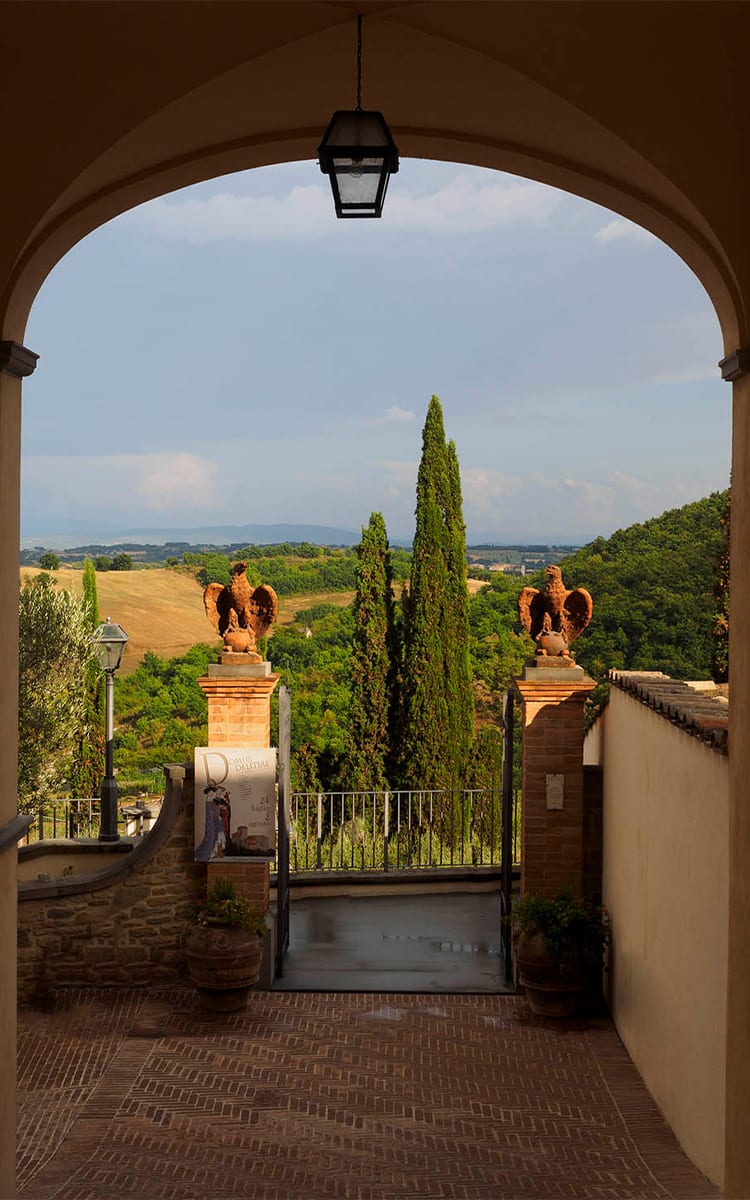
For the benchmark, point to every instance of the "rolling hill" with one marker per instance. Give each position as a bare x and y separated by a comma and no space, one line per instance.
162,610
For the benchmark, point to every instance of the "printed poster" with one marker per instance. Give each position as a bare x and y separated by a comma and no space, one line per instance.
235,803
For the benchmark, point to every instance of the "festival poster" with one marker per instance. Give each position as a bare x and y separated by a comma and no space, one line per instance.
235,803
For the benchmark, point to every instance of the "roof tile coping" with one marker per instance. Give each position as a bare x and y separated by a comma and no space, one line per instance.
700,716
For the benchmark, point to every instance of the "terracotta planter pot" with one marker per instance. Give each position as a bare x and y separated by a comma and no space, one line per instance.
223,963
551,992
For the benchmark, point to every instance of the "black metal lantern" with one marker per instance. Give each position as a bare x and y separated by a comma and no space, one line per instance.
358,154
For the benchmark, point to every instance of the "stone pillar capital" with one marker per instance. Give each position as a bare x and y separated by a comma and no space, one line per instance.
543,690
735,365
17,360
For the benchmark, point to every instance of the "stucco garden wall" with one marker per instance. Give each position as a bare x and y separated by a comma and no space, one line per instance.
665,813
121,923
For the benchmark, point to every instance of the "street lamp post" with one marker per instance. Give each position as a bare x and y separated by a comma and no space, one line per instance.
109,641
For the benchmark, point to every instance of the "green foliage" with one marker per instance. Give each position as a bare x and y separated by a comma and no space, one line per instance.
456,623
90,597
435,727
652,587
486,766
318,669
122,562
720,661
373,663
498,647
292,571
102,562
161,714
55,654
87,760
223,906
49,561
574,932
215,568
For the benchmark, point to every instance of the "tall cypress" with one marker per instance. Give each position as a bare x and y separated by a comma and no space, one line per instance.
373,662
458,664
87,759
436,686
90,598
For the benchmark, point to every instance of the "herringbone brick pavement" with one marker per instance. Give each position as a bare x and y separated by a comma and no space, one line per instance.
307,1096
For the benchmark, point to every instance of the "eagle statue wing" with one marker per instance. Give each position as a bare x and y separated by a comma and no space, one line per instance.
525,597
577,610
262,610
218,605
531,610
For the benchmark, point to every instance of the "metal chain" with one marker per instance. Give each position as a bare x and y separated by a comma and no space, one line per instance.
359,61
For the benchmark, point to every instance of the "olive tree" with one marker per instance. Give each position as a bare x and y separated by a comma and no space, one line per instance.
55,653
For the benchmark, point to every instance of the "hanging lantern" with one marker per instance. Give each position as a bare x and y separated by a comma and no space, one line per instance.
358,154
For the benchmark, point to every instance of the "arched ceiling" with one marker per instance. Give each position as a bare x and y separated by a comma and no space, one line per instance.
640,107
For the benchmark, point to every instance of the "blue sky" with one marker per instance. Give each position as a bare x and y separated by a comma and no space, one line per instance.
232,354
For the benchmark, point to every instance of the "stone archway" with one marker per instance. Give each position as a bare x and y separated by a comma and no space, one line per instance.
619,103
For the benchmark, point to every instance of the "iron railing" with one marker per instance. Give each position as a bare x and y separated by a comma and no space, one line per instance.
396,830
70,818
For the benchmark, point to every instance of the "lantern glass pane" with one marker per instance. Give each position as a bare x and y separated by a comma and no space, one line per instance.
358,183
109,643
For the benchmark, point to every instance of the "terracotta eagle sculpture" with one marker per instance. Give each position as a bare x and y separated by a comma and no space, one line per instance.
239,612
554,617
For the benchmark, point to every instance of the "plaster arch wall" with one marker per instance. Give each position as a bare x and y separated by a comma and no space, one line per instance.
641,108
464,95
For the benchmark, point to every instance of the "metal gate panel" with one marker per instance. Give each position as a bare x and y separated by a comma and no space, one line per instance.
507,834
284,823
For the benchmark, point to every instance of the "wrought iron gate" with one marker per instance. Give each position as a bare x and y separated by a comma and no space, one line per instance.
506,894
284,829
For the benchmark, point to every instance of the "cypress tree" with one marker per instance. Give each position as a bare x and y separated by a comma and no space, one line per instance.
87,760
90,598
458,664
373,662
436,687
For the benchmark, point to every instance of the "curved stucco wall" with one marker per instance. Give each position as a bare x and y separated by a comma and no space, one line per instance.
665,884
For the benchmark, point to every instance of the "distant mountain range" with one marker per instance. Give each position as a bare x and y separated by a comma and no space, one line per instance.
67,534
59,535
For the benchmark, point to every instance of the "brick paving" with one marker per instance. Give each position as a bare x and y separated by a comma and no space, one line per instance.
310,1096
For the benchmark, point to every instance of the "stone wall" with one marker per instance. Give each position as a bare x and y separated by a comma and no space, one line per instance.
120,925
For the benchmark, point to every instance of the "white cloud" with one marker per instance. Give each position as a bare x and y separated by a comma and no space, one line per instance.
172,482
483,488
621,230
398,477
466,204
393,416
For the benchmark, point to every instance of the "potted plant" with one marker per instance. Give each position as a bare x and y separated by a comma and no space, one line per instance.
559,944
224,949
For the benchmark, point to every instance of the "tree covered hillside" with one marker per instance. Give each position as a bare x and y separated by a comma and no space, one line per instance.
653,592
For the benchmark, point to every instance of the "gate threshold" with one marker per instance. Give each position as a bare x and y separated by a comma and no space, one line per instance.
414,941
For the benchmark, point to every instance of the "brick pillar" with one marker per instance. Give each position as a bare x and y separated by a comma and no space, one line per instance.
239,715
552,851
239,703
